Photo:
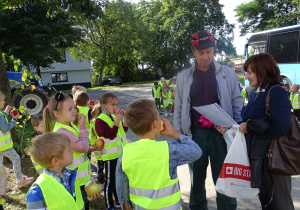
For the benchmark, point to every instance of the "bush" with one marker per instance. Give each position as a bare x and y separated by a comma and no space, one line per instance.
94,81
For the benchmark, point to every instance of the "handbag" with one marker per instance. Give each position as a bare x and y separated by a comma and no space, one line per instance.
284,151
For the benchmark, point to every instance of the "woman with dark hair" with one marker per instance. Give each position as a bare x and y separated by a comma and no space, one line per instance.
263,73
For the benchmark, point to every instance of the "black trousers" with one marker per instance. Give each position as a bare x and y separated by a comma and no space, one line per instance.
110,182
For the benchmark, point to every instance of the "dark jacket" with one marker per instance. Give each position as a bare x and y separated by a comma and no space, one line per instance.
261,129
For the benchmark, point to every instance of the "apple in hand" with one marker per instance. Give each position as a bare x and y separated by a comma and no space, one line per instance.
116,111
92,188
14,112
162,126
99,143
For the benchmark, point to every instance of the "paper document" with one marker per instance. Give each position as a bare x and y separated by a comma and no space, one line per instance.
216,114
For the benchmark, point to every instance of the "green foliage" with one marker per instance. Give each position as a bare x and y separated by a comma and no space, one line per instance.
37,32
94,80
259,15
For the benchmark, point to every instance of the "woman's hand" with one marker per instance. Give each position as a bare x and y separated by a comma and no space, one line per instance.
243,127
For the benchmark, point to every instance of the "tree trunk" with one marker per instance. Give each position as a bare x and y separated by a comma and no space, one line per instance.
100,74
5,89
38,71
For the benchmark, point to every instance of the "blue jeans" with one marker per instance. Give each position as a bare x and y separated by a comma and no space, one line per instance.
213,146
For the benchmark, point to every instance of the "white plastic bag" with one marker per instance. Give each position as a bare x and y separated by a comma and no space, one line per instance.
230,134
235,177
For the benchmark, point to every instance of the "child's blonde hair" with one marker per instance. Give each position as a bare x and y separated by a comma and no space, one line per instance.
77,88
36,119
55,104
140,115
47,146
81,98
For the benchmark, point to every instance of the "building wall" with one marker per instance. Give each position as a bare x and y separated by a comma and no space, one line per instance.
78,72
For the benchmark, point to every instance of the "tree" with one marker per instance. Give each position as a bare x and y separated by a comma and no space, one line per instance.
172,24
259,15
37,33
110,39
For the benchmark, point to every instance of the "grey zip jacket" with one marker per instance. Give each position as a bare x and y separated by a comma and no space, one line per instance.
229,94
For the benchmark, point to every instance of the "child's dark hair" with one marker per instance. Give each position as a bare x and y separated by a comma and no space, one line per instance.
107,97
36,119
55,104
155,83
140,115
81,98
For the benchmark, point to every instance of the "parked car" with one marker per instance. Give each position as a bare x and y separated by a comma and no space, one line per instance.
111,80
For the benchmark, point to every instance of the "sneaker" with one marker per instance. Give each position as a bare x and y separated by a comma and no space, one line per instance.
166,114
24,182
117,204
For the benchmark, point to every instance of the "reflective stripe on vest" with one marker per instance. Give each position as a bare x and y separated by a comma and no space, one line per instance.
112,148
85,111
5,138
80,160
295,101
37,167
56,196
156,92
146,164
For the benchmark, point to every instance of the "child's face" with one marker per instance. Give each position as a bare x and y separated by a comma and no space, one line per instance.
294,89
40,127
165,91
2,102
67,158
111,105
155,86
68,112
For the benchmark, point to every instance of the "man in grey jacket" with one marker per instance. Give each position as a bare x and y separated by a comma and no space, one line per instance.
206,82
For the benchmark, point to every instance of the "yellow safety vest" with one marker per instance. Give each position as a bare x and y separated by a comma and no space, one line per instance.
5,138
56,196
37,167
85,110
295,100
243,92
112,148
146,164
1,201
80,160
156,92
169,100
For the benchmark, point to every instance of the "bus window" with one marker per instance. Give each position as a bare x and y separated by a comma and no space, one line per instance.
257,48
284,47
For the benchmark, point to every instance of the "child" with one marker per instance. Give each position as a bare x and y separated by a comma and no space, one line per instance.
62,109
81,99
77,88
112,130
148,167
7,150
294,97
156,94
37,124
57,187
168,100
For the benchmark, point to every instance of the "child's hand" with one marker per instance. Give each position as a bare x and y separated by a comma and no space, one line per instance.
93,197
8,108
16,117
119,114
169,130
96,101
81,119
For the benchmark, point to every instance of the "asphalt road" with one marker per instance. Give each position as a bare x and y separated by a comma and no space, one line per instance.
128,95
